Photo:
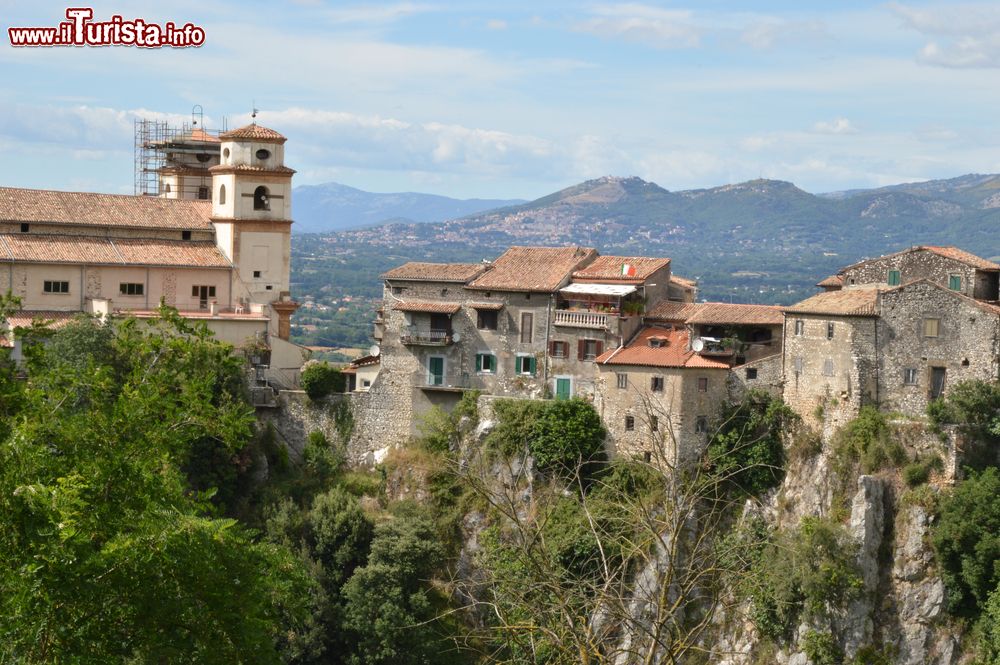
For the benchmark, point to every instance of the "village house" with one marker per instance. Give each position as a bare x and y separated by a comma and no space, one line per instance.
894,332
214,242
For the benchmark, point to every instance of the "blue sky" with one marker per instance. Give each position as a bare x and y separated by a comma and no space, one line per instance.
518,99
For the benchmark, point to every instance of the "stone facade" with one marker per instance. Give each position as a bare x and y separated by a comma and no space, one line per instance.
930,338
765,374
939,265
829,377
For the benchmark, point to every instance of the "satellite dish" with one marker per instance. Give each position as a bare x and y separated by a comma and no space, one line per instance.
373,350
698,345
456,338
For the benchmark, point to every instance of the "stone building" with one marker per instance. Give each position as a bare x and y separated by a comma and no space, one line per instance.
894,332
657,397
224,261
529,324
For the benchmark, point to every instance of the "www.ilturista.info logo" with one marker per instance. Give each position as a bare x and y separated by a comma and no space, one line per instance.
80,30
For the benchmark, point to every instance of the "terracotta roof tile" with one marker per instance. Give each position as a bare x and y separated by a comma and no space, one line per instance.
365,361
538,269
82,208
488,306
436,272
609,268
948,252
54,319
832,280
674,354
683,281
848,302
429,307
254,132
247,168
673,311
93,250
199,134
717,313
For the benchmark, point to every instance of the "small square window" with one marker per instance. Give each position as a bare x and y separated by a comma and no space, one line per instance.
654,424
702,384
893,279
623,380
524,365
589,349
269,287
486,363
256,274
486,319
185,235
829,329
910,376
701,424
131,289
656,384
932,327
799,326
828,368
751,373
203,193
955,282
55,287
560,349
629,423
25,228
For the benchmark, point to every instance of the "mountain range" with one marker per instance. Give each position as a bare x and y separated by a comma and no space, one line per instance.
756,241
333,207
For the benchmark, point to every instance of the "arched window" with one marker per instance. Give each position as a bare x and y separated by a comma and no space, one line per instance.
222,195
261,199
166,188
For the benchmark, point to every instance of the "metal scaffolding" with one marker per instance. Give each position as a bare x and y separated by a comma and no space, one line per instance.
156,141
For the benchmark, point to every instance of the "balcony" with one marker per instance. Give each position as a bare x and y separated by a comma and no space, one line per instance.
448,382
417,337
594,320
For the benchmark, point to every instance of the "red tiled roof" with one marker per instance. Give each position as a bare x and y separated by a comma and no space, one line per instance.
538,269
849,302
247,168
254,132
94,250
488,306
718,313
200,134
365,361
87,209
673,311
683,281
436,272
609,269
674,354
53,319
948,252
832,280
429,307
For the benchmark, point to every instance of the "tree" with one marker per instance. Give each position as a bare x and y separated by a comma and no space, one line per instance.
107,553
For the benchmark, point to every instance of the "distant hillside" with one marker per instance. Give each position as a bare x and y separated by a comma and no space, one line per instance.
334,207
758,241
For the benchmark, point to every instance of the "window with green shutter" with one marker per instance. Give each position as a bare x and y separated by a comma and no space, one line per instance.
525,365
955,282
486,363
893,278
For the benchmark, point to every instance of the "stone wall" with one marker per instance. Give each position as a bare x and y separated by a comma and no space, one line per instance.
769,377
966,346
834,377
918,265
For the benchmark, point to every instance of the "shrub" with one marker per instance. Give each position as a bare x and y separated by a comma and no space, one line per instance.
320,379
821,648
747,451
988,632
867,440
566,434
515,422
918,472
802,571
320,458
967,541
975,407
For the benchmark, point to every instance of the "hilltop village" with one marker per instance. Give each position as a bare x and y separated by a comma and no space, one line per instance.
626,333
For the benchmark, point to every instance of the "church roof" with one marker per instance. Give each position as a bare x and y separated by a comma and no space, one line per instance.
45,206
254,132
101,250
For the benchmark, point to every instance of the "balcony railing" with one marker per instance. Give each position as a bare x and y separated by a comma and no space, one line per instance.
596,320
417,337
447,381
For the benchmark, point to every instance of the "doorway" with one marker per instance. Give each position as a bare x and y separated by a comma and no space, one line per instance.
564,387
435,371
937,382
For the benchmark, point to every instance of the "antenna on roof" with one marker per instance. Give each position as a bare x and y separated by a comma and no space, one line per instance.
253,113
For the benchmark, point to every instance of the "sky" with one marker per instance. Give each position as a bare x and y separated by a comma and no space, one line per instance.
518,99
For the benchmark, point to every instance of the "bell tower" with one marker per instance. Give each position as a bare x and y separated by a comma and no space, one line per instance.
252,214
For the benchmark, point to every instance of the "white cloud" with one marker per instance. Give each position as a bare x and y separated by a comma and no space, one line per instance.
835,126
496,24
634,22
959,36
764,34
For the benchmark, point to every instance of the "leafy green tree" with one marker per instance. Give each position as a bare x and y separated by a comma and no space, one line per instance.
320,379
868,442
975,407
747,451
107,553
565,434
967,541
389,612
